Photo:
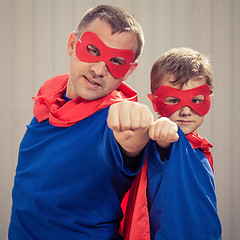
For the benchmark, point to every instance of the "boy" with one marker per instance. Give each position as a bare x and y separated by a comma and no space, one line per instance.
74,168
181,195
180,190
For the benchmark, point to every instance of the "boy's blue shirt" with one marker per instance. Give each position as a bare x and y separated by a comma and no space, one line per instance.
181,194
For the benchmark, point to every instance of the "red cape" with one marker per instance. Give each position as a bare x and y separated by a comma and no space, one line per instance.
49,102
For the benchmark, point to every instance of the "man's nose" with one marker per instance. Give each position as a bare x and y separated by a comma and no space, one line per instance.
99,68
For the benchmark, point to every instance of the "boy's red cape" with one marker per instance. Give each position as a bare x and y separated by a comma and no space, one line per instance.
135,224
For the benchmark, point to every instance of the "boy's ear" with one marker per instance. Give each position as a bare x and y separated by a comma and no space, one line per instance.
153,100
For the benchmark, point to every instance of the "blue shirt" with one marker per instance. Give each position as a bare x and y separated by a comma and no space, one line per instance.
181,194
69,182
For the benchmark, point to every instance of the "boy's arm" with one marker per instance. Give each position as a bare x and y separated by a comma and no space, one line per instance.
164,132
130,122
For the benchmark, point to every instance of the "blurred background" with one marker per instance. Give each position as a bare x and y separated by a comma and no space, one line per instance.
33,48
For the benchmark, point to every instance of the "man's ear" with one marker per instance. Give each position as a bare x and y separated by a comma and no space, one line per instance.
131,69
153,100
71,43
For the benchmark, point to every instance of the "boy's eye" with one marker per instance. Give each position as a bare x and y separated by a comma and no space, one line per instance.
198,99
172,100
93,50
118,60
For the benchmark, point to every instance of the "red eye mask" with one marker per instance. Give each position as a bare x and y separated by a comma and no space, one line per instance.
183,98
107,54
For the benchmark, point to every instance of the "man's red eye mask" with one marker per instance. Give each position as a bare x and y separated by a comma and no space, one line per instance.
106,54
185,97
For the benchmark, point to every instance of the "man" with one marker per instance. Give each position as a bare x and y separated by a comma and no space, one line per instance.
73,170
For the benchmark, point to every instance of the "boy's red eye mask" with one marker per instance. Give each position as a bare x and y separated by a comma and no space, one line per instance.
105,54
184,97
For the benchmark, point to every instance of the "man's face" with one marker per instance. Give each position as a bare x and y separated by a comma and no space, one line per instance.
186,117
93,80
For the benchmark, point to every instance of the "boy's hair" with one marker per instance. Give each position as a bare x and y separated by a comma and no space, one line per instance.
119,19
183,63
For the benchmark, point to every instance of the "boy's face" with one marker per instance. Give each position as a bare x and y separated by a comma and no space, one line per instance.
185,117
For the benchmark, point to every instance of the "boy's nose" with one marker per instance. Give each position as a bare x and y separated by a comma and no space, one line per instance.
99,68
186,110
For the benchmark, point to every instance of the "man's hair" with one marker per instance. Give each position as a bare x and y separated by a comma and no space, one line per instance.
183,63
119,19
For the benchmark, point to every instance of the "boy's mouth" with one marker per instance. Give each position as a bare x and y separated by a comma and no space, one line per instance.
184,121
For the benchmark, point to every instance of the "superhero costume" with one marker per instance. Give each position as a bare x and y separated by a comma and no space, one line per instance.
180,194
70,177
178,201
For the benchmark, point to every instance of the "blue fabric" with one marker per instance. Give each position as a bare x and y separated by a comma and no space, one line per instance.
69,182
181,194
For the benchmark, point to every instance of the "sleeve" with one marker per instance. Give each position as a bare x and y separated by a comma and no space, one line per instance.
181,196
112,155
135,224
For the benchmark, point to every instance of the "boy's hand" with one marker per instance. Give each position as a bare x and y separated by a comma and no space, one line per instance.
164,132
130,122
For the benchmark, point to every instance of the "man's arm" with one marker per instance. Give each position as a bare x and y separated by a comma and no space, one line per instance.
130,122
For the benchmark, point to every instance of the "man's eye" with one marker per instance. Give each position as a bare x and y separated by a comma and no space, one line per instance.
198,99
117,60
93,50
172,100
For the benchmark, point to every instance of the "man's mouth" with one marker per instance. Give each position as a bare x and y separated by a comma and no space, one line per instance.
91,81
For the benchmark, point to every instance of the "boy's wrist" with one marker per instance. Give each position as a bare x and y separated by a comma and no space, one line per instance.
163,144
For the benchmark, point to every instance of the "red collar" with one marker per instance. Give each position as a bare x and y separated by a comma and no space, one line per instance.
49,102
201,143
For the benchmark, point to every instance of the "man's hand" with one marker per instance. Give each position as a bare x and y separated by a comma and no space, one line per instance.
130,122
164,132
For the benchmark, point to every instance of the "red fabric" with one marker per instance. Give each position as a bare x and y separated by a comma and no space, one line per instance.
135,225
185,98
106,54
49,102
201,143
